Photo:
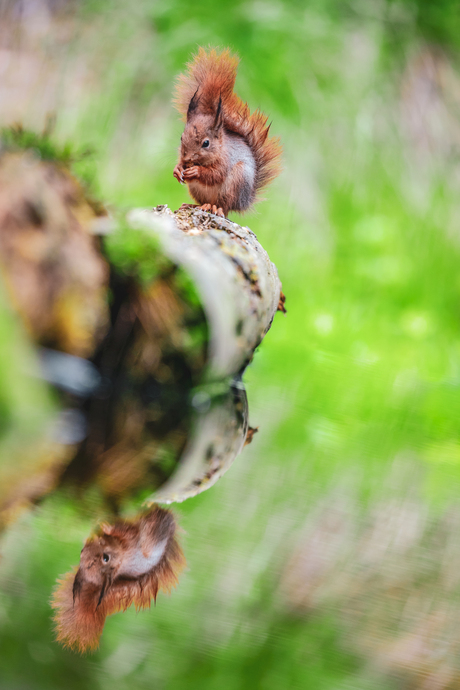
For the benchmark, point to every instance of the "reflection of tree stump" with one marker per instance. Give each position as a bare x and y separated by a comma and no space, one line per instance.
150,395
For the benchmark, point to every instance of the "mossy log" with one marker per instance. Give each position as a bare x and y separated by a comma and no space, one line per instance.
237,283
139,328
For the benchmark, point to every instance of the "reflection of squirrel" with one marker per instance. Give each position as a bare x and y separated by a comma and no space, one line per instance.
226,155
124,563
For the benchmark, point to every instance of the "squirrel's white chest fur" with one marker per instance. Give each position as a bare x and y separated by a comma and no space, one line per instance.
239,152
138,564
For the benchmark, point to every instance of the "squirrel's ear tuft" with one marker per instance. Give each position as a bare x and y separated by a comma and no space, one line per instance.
219,119
193,105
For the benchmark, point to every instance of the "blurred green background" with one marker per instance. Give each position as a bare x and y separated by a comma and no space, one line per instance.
356,391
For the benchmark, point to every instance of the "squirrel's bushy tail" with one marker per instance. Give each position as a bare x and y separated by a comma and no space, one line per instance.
211,76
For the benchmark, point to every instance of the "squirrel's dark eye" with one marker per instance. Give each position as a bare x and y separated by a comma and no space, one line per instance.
105,557
205,144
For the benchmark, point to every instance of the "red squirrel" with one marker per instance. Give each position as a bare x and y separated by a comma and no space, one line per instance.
226,155
124,563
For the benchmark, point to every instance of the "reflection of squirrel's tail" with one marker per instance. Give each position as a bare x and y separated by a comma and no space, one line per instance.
79,623
81,610
211,77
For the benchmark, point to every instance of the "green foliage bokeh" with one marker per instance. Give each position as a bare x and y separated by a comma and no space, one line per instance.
363,372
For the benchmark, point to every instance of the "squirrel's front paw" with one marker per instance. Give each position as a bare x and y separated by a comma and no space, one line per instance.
179,173
190,173
212,208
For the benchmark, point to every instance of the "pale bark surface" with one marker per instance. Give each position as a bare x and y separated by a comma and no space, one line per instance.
237,282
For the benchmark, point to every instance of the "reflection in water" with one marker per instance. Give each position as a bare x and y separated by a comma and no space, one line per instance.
218,431
125,563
